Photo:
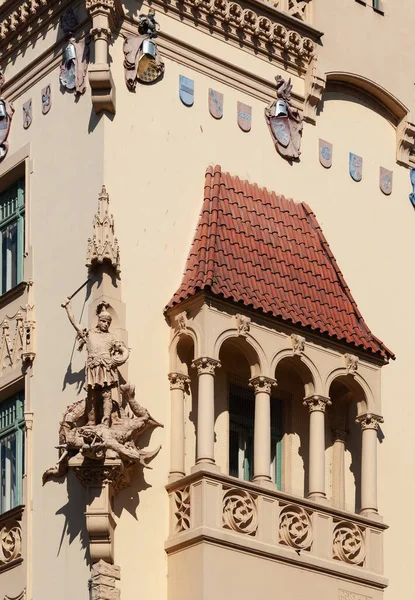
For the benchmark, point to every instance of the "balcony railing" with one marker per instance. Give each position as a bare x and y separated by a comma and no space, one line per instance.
234,513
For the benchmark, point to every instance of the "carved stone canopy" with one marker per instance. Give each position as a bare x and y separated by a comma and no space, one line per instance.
103,246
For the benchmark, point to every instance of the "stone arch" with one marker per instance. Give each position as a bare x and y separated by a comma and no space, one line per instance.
249,346
391,108
304,366
183,348
357,385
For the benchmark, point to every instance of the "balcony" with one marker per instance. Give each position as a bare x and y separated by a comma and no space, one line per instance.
226,512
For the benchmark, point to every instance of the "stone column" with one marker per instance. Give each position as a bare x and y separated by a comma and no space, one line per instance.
178,383
370,425
339,447
206,410
262,427
316,469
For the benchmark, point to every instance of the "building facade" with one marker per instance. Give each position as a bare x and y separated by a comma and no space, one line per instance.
235,176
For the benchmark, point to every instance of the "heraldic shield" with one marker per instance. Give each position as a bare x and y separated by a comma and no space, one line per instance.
285,122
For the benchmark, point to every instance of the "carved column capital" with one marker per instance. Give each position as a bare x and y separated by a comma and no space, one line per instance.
103,7
178,381
206,365
317,403
101,33
262,384
369,421
339,435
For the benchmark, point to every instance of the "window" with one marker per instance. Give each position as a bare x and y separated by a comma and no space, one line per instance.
11,452
241,434
12,207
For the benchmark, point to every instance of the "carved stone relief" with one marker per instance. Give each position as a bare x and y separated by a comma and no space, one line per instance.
352,363
181,323
298,8
243,324
298,344
75,56
17,343
142,61
348,543
182,512
239,512
295,527
6,116
284,121
10,542
103,246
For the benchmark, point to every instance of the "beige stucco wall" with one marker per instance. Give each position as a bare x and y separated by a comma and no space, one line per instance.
152,156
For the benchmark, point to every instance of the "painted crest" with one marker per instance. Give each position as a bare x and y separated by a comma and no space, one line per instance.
215,104
325,153
355,166
385,180
281,128
46,99
27,114
186,90
244,116
285,121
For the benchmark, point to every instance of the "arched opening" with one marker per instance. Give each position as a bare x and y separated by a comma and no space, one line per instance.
235,408
295,382
343,460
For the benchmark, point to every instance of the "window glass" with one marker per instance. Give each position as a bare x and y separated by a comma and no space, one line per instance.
11,452
12,206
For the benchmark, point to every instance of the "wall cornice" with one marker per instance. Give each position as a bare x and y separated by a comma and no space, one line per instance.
254,26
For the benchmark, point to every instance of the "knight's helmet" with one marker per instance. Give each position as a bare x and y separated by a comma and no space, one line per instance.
149,48
3,113
281,108
69,53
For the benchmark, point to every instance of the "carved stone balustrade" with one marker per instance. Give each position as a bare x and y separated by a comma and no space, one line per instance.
216,509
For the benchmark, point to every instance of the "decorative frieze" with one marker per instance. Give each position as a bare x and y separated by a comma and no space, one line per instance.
348,543
239,511
182,511
103,246
295,527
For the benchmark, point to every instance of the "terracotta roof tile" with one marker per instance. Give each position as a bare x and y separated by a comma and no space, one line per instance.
269,253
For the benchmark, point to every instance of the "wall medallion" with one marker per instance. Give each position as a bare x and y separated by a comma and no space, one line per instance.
46,99
244,116
27,114
215,104
325,153
385,181
295,527
355,166
239,512
186,90
348,543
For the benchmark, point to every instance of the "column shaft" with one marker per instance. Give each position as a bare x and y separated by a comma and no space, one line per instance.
206,410
370,424
262,427
338,484
316,472
178,382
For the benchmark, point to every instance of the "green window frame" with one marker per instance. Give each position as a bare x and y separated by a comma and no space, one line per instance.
11,452
12,224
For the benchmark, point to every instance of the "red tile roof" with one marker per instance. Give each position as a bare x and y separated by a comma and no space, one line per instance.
269,253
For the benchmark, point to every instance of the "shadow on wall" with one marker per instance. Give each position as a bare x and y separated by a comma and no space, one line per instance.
74,513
